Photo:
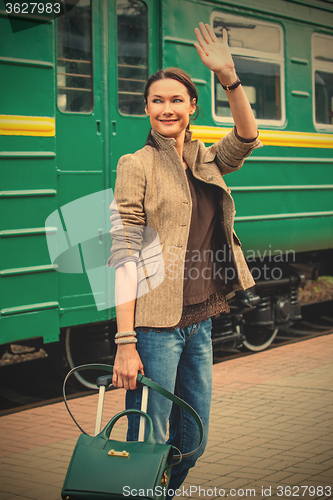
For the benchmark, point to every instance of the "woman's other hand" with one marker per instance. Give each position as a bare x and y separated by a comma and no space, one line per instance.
215,54
127,365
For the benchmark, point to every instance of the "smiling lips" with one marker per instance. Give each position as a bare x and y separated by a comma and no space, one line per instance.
166,122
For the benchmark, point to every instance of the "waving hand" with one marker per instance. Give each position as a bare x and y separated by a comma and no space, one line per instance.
215,54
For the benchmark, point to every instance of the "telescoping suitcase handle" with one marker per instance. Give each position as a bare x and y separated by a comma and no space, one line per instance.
147,382
102,383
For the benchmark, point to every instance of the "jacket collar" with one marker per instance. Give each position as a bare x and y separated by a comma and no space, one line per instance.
166,142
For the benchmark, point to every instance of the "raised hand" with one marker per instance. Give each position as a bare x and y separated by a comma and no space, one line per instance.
217,57
215,54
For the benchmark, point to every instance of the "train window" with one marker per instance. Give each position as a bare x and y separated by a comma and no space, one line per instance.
322,66
132,23
257,50
74,59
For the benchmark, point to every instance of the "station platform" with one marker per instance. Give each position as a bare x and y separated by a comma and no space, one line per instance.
271,432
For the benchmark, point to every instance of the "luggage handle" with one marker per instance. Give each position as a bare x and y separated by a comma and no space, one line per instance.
145,381
102,383
144,405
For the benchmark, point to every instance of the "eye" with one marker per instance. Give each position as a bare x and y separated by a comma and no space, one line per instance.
156,100
178,100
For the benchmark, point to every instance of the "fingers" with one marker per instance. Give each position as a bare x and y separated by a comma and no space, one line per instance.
205,35
201,52
200,39
204,39
205,32
208,42
125,381
116,382
127,365
211,33
224,36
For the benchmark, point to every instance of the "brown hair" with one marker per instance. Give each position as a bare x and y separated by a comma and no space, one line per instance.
174,74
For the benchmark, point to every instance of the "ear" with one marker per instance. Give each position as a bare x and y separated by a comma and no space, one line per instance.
193,106
146,109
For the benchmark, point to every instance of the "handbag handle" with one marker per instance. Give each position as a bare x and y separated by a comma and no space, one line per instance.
145,381
105,433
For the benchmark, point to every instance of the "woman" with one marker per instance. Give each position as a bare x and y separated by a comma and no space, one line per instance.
172,224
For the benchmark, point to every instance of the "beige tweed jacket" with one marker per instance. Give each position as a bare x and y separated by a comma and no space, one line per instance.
151,216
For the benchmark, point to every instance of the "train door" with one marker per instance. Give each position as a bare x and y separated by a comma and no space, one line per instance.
105,50
81,159
134,40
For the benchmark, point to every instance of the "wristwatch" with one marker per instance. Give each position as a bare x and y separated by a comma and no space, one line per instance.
233,86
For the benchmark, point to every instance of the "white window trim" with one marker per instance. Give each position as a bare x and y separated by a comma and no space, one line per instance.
327,67
261,57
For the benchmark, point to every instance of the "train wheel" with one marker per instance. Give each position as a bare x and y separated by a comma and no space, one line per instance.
257,337
69,356
80,346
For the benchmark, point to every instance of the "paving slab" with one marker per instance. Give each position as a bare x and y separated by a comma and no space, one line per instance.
271,432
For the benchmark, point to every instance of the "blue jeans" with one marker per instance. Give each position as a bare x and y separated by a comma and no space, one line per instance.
181,362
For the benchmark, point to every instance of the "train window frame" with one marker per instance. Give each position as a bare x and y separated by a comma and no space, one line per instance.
323,66
258,56
147,53
92,108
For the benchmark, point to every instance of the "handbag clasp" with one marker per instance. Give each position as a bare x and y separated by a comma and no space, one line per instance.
114,453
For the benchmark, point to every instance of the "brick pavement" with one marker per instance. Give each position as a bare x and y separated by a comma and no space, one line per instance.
271,432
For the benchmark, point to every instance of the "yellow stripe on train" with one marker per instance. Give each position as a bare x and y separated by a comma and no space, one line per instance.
269,137
45,127
40,126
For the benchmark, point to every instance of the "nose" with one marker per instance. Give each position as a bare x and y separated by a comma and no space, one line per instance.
167,110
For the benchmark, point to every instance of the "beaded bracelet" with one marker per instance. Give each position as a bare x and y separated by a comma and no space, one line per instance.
125,334
126,340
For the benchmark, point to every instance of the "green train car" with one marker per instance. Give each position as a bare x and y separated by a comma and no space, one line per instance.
71,105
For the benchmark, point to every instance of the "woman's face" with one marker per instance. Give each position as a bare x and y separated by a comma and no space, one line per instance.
169,108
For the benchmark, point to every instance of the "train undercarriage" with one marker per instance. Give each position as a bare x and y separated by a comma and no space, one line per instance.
257,313
255,317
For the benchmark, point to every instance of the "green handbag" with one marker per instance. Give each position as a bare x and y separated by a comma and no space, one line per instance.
105,469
